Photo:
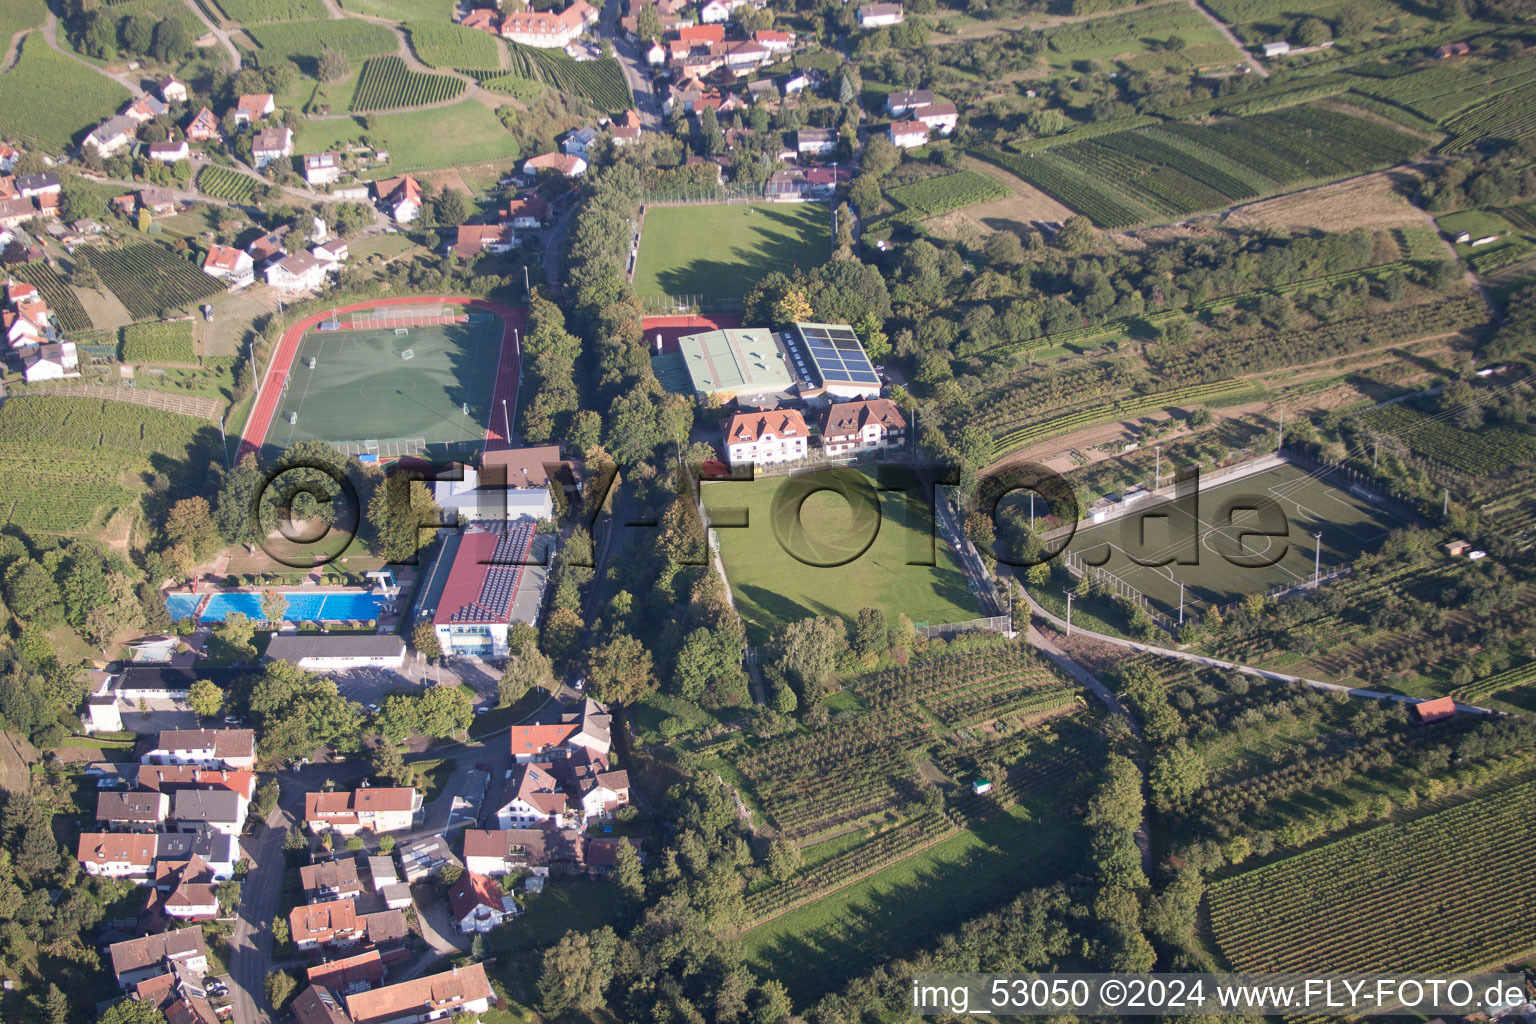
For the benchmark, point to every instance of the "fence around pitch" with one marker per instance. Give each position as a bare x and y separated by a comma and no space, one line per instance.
990,624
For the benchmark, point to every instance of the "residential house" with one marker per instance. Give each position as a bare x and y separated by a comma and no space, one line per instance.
525,213
484,19
379,809
204,127
132,811
400,197
220,852
217,810
161,202
564,163
540,851
135,960
656,55
330,880
254,107
531,797
144,109
227,263
299,272
271,145
180,997
478,904
460,990
333,252
423,858
8,156
322,168
319,1005
563,733
815,142
169,152
267,248
764,438
940,118
171,89
172,778
44,183
899,104
777,42
877,15
714,11
796,82
184,890
546,29
387,930
848,427
626,128
209,748
601,793
474,239
578,141
16,212
52,361
333,923
117,854
705,35
337,652
112,136
349,975
908,134
603,854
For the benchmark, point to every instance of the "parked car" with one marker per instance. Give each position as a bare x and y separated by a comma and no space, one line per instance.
208,313
373,708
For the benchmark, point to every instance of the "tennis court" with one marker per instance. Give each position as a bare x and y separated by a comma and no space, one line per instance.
1230,565
391,390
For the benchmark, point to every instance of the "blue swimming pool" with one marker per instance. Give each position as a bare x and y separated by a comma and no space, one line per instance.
302,606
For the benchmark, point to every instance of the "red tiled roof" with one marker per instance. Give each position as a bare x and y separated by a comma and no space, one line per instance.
701,33
525,206
322,922
222,257
471,891
136,848
751,426
440,992
1434,710
344,973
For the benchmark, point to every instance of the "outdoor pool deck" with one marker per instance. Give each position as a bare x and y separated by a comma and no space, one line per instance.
311,605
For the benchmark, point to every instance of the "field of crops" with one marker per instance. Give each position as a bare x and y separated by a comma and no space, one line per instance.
445,45
1494,685
1441,91
1483,452
1142,174
1126,408
947,192
149,279
158,343
46,489
253,11
1360,904
1508,251
57,293
305,39
386,83
223,183
599,82
47,99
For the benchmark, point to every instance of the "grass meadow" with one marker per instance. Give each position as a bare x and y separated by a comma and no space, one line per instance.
719,251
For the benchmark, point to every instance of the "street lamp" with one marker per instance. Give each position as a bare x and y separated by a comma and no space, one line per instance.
1317,559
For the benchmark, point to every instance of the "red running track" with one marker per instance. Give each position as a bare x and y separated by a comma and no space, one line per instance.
281,364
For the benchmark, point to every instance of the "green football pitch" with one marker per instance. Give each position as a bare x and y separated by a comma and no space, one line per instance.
431,384
721,251
1225,571
773,587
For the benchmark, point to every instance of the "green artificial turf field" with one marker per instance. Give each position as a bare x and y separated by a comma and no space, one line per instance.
721,251
361,389
1349,525
772,587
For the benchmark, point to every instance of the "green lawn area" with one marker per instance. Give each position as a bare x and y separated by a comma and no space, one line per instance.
719,251
425,140
16,15
772,587
815,948
46,99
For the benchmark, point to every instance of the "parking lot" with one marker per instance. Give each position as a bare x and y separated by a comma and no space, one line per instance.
369,686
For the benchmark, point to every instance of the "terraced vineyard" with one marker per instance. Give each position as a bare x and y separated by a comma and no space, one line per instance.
149,279
1127,408
1474,101
1494,685
386,83
1483,452
303,40
1143,174
56,292
223,183
600,82
1360,904
933,196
